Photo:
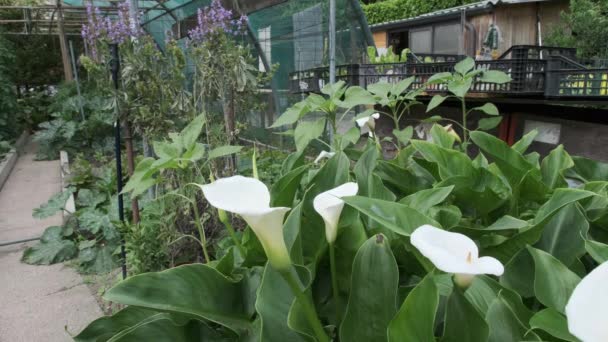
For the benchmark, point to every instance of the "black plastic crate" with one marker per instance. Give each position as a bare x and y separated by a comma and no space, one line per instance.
568,78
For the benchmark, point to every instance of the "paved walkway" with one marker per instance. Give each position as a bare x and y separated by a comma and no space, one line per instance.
37,303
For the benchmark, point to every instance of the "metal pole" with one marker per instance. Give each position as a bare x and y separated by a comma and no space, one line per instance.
115,65
332,54
332,41
75,70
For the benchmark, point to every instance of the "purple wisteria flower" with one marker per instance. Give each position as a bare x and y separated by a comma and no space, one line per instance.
115,31
215,20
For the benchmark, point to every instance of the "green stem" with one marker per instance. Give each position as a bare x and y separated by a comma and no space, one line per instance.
334,282
201,231
228,225
464,123
309,309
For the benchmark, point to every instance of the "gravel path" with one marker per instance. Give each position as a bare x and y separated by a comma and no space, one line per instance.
38,303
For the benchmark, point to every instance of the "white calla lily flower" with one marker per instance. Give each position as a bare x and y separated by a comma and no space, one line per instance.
329,205
250,198
587,307
368,122
454,253
323,155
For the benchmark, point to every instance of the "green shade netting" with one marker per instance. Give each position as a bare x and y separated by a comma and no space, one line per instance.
292,33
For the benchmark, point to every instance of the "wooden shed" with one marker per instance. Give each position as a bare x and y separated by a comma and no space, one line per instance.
482,29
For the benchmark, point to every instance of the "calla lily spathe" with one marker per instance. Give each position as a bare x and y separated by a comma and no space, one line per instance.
323,155
329,205
250,198
453,252
587,307
368,122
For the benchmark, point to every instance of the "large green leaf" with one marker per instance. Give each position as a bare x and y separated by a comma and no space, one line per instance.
451,162
487,124
97,259
167,150
190,133
435,102
464,66
441,137
423,200
53,205
463,323
484,291
138,324
355,96
292,114
223,151
284,190
373,298
415,320
407,180
554,323
196,290
511,163
553,167
274,300
404,135
306,131
503,322
370,184
89,198
495,76
508,223
563,235
519,274
460,87
553,282
46,253
560,198
488,108
589,170
522,145
597,250
397,217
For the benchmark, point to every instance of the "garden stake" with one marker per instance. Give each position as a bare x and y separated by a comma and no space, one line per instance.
115,65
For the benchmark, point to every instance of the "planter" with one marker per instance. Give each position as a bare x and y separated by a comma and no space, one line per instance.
9,161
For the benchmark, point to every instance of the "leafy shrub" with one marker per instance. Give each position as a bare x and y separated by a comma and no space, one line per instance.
584,27
68,131
8,102
89,235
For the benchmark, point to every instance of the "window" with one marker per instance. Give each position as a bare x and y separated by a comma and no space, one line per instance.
421,40
446,39
439,39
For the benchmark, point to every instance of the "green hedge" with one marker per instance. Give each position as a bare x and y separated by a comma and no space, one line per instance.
400,9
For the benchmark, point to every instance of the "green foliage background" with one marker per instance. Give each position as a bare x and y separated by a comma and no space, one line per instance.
388,10
8,102
584,27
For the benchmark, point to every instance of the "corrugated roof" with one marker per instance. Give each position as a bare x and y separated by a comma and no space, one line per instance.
453,11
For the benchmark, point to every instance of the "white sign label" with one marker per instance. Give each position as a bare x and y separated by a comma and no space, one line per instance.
548,132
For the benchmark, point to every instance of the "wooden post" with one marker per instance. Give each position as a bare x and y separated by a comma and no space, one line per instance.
65,57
